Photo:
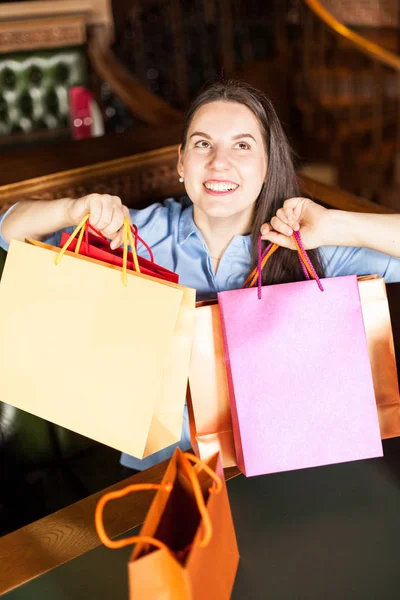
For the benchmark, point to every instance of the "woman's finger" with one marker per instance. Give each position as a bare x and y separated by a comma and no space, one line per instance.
100,208
117,221
281,227
265,228
94,206
296,205
279,238
281,214
127,214
291,219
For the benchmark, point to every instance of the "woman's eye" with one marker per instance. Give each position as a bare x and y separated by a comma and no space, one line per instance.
242,146
202,144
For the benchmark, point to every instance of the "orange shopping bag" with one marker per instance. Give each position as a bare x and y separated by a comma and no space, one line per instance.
186,549
380,342
208,396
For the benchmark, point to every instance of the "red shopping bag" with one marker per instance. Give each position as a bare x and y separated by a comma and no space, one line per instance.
98,247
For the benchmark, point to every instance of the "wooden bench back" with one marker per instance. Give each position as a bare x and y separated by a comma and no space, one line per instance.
149,177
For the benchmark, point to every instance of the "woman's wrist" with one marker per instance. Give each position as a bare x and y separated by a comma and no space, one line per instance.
342,228
69,219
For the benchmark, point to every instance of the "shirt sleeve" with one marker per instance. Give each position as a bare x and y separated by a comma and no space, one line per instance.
344,260
3,244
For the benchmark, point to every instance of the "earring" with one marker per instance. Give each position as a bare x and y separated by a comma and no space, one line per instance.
181,179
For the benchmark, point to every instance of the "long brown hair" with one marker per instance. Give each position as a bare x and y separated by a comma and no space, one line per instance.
281,181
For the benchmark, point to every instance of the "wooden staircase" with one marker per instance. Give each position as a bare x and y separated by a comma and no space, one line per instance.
347,92
335,90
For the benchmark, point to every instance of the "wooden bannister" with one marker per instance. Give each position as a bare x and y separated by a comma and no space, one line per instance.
348,91
148,177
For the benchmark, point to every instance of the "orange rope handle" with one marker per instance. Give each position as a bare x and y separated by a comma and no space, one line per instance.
254,274
98,516
252,278
274,248
217,479
198,495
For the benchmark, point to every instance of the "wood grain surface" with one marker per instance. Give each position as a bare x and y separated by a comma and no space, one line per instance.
70,532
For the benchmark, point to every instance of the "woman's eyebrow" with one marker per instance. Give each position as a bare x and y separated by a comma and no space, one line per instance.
244,135
234,137
201,134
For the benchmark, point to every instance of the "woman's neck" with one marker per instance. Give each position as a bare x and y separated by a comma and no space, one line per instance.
219,232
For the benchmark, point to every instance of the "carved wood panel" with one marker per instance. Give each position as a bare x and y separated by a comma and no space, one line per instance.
137,187
46,33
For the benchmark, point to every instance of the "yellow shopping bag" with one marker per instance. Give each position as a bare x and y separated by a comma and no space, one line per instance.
80,349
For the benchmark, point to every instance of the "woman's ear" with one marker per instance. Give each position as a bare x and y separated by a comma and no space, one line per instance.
179,166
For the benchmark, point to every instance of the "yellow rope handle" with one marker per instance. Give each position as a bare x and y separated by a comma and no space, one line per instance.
125,255
78,229
128,234
98,517
79,242
133,247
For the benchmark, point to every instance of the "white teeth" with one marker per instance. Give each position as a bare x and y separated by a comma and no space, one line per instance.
221,187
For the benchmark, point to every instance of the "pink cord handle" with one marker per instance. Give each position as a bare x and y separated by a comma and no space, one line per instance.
301,253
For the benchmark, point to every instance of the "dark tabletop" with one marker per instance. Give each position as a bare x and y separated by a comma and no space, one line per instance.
327,533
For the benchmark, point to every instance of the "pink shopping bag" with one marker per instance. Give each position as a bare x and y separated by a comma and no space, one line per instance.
299,375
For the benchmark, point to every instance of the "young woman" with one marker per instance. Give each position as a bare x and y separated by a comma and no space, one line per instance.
237,169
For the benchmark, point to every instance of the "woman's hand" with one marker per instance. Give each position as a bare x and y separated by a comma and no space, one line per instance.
297,214
106,214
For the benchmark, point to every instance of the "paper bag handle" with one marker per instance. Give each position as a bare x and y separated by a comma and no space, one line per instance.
308,269
199,496
80,229
98,516
133,228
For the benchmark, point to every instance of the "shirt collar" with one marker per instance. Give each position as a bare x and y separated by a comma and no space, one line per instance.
187,225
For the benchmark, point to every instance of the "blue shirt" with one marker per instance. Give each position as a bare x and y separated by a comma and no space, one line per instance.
178,245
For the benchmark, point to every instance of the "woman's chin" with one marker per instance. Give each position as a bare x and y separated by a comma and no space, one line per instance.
219,208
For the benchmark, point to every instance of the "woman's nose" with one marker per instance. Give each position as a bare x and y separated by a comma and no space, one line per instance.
220,160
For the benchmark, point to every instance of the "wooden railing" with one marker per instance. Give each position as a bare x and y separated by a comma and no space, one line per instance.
146,178
348,91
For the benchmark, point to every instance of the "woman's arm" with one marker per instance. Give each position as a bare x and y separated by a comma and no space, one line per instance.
38,219
321,226
375,231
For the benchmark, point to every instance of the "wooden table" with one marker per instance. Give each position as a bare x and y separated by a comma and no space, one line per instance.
319,534
324,534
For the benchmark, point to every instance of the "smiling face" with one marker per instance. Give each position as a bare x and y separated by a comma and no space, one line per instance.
224,161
